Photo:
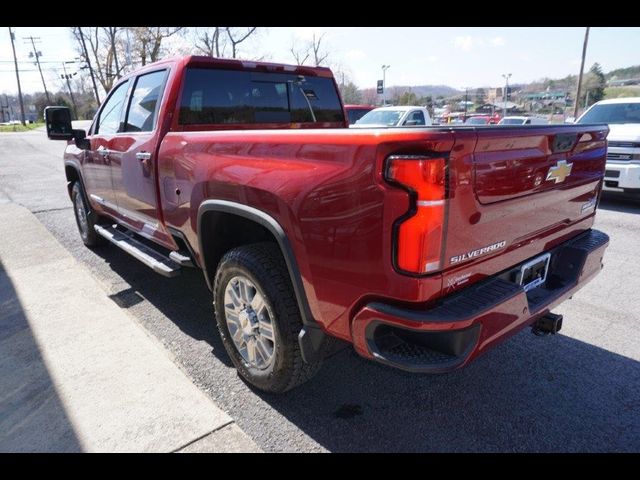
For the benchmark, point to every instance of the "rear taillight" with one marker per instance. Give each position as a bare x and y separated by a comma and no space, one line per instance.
419,233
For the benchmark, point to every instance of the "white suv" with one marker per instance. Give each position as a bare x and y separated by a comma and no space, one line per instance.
623,154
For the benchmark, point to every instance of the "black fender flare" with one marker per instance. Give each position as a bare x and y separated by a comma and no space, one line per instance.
74,165
311,337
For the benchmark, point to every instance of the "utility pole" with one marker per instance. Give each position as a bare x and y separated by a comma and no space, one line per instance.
86,57
67,77
466,90
37,56
584,54
506,94
15,60
384,85
4,107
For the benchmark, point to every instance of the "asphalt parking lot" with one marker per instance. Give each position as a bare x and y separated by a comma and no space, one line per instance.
576,391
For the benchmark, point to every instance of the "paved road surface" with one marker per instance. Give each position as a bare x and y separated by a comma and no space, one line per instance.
577,391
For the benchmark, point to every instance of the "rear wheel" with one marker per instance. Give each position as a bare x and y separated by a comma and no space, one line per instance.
85,218
259,319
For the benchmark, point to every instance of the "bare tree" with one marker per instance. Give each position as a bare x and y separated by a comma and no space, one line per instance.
319,56
312,49
112,33
147,41
209,41
369,96
102,47
300,55
237,36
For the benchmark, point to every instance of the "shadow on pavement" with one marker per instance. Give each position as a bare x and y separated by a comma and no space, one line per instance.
32,416
619,203
185,300
529,394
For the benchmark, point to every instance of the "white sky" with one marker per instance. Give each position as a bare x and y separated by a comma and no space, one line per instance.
458,57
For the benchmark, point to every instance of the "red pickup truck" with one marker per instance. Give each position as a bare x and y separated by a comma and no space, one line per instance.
422,247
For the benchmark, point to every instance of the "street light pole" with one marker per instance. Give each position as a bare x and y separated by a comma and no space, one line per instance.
504,97
384,84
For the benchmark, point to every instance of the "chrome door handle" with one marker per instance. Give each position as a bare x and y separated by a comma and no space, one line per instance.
143,156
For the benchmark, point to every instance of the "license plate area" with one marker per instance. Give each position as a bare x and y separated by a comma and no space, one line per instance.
533,273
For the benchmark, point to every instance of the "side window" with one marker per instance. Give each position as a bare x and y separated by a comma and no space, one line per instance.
111,113
527,121
142,113
415,118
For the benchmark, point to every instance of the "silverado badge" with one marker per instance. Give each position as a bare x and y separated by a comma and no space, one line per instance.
560,171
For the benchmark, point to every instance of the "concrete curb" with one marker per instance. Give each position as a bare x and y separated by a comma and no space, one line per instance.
77,373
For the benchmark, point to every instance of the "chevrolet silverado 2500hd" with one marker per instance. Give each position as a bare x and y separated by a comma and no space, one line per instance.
422,247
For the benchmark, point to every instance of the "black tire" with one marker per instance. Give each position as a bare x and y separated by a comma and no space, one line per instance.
263,265
81,208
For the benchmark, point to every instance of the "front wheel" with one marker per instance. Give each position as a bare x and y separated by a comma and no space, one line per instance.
85,218
259,319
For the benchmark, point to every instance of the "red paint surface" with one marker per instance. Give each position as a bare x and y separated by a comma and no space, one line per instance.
325,187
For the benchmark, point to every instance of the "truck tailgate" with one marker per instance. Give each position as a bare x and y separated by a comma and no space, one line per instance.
517,191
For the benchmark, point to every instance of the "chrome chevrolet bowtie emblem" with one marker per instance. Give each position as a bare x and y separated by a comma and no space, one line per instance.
561,171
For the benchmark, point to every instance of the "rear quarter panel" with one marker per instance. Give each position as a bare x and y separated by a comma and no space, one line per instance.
324,187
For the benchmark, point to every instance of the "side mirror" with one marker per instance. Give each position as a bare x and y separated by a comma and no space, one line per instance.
411,123
58,121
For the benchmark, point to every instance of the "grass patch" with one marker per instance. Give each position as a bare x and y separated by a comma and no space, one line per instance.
622,92
20,128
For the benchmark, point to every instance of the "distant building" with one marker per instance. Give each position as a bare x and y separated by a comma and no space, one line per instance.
534,101
493,94
614,82
545,96
498,106
10,110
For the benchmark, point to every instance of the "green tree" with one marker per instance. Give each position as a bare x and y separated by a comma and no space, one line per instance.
597,93
351,94
58,99
593,86
408,98
481,95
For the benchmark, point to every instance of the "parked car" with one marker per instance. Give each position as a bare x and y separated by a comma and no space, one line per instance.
355,112
623,155
523,120
402,116
423,248
482,120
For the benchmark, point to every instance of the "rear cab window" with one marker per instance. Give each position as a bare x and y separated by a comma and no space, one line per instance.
226,97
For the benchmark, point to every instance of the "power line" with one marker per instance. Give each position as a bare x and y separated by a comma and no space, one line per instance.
55,70
41,61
